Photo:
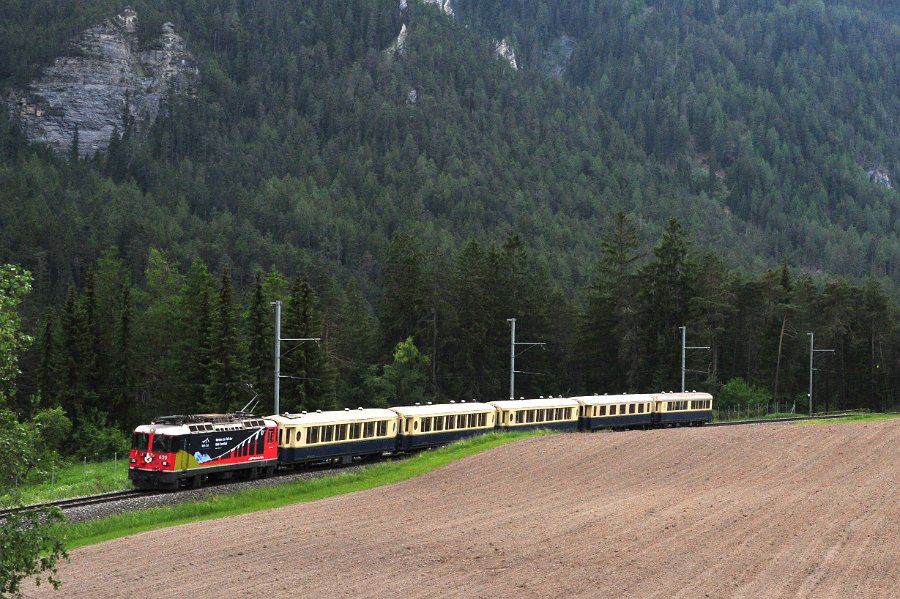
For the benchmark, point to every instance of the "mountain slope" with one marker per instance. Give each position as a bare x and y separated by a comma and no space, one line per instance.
310,143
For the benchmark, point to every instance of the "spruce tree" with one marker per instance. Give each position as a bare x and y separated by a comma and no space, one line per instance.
666,294
123,409
261,338
226,389
608,350
49,369
310,376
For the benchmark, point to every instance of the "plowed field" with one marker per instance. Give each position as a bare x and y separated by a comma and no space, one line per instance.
752,511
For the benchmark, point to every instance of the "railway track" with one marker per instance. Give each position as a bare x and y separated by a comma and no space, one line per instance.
834,416
76,502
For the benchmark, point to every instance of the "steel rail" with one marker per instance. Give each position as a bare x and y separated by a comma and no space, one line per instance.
76,502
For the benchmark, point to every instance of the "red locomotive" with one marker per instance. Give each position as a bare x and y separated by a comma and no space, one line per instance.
186,450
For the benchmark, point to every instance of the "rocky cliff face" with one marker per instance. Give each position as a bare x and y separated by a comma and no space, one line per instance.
88,88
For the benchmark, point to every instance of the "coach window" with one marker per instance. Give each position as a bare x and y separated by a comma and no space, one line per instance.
312,435
640,408
382,428
369,429
328,433
299,434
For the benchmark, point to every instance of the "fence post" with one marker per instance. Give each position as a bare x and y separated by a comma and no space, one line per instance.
84,471
115,466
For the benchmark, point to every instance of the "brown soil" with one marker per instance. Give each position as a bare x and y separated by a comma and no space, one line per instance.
752,511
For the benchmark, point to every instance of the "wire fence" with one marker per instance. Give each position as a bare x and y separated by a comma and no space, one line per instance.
67,478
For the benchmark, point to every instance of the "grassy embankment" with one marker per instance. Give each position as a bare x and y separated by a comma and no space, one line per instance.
854,418
73,480
263,498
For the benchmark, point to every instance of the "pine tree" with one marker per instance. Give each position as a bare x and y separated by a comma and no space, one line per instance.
668,288
227,357
609,353
49,369
310,376
401,312
194,343
77,399
261,338
123,409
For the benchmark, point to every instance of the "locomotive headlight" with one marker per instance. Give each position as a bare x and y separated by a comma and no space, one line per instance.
165,463
133,461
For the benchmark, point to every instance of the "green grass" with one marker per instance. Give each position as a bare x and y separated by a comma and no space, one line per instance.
264,498
75,480
855,418
725,416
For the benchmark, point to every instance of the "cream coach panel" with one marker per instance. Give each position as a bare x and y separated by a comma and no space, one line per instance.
316,428
429,419
537,411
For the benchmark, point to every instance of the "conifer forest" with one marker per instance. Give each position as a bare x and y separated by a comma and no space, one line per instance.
404,189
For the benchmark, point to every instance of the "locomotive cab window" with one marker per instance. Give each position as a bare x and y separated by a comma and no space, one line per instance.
163,444
140,441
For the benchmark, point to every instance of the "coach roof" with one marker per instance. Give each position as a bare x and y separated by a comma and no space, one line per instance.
333,417
443,408
540,402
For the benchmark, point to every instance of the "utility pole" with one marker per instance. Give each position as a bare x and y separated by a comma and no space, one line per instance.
683,348
512,356
812,352
278,340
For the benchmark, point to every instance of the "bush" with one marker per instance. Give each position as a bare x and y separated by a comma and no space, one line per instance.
737,393
54,428
98,440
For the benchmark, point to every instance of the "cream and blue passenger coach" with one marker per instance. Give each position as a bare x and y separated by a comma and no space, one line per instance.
317,436
616,411
559,414
433,425
682,409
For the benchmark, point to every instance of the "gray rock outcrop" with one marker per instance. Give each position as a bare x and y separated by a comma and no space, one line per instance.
88,88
